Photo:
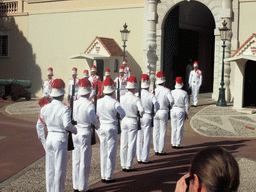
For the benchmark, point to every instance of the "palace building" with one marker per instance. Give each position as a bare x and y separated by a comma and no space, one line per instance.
164,35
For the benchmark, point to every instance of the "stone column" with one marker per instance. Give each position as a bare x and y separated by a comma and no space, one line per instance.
226,14
151,39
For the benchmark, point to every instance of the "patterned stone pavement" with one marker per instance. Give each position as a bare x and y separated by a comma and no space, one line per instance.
224,122
208,124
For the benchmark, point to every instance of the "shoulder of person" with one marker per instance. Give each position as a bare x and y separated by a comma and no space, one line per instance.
91,101
136,94
167,89
67,106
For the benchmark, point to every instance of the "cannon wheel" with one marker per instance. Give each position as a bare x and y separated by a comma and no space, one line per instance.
28,97
14,97
4,97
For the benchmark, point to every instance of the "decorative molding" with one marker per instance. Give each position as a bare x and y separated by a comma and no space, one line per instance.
43,1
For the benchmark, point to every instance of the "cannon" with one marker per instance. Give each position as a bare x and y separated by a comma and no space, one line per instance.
16,89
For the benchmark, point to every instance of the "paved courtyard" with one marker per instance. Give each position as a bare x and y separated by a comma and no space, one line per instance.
208,125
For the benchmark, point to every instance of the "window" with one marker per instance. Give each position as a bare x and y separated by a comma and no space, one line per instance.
116,66
4,45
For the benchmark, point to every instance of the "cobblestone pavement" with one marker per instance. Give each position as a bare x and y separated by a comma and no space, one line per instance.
207,123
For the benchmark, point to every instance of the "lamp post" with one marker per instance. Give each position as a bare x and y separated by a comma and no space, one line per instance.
124,37
223,36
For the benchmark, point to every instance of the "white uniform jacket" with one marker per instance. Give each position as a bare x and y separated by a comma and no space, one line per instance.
127,72
147,100
122,84
180,99
56,116
47,88
131,104
164,97
107,109
195,77
84,113
70,83
94,78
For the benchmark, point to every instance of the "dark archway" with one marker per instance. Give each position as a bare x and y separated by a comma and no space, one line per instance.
189,34
249,84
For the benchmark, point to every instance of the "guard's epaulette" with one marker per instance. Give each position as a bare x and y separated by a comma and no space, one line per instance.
66,105
136,95
45,105
90,100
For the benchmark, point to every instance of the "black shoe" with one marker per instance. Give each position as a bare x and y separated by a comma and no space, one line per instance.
111,181
140,162
164,153
174,147
103,180
130,170
156,153
147,162
75,190
124,170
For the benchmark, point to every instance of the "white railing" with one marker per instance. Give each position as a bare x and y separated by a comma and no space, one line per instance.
8,7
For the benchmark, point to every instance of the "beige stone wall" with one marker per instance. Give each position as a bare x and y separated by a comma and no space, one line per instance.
247,20
55,36
20,63
42,6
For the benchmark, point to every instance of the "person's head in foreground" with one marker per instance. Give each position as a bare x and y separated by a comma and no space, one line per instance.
213,169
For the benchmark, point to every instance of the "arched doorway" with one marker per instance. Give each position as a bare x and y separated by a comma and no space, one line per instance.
249,84
189,34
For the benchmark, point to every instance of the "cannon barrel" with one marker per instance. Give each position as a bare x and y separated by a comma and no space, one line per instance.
23,83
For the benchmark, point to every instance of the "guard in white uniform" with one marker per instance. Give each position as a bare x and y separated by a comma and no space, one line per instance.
55,116
131,104
93,92
93,77
164,98
107,109
107,73
122,82
71,83
84,114
47,83
144,135
195,82
47,89
127,70
179,112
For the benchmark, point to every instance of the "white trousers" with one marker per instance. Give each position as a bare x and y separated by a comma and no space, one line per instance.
143,139
81,159
108,150
129,130
56,159
177,122
159,130
195,91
